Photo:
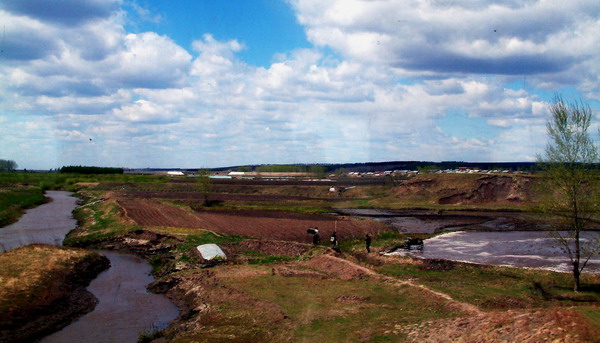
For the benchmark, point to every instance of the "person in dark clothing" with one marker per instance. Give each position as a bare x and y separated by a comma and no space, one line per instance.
334,240
368,242
316,237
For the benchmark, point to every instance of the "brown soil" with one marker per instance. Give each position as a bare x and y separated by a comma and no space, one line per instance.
51,303
274,248
260,224
551,325
212,197
339,267
468,189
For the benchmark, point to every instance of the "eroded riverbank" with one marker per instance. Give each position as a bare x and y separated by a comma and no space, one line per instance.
120,293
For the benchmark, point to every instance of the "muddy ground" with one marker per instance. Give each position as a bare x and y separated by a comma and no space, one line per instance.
261,224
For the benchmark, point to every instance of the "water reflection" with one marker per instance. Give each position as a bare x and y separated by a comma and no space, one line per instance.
47,224
125,308
524,249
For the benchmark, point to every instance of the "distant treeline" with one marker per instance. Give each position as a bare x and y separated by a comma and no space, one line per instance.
7,165
383,166
90,170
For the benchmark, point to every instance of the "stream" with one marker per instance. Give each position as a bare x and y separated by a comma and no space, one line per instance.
125,309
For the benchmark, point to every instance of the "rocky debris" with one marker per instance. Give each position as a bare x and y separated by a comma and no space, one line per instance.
144,243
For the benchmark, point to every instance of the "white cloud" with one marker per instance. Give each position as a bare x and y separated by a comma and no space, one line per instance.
398,68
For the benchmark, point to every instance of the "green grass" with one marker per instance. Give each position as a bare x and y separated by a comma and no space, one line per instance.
98,222
207,237
381,242
257,258
331,310
592,314
491,288
13,202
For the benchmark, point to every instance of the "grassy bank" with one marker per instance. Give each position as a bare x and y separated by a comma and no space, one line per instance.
495,288
15,200
38,286
258,306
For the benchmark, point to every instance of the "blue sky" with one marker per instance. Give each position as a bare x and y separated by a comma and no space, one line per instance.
216,83
265,27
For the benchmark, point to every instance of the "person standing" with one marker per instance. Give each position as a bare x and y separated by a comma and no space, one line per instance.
334,240
316,237
368,242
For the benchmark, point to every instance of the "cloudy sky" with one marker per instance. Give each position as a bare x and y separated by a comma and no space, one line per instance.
211,83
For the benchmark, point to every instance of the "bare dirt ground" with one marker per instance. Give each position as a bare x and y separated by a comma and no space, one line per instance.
260,224
448,189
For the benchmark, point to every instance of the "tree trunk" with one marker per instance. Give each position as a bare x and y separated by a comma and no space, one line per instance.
576,275
576,271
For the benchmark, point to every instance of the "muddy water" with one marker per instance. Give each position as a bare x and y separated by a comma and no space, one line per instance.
523,249
424,221
48,223
125,308
500,238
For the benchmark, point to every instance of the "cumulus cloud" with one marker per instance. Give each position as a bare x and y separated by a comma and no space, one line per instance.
508,37
67,12
396,71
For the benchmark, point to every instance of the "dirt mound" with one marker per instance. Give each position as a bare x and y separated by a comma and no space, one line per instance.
275,248
341,268
554,325
285,226
467,189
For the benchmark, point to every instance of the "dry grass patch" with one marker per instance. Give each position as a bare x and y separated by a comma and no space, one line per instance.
41,289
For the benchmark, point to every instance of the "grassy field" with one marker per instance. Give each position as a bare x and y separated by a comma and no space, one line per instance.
496,288
333,310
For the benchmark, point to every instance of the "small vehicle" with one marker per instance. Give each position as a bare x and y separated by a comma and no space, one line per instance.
412,244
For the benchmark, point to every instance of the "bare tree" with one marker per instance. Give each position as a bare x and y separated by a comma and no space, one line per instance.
569,168
204,185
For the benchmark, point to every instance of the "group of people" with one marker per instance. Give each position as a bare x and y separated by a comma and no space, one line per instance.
334,239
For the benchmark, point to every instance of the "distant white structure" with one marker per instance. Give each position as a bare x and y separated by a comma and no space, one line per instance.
175,173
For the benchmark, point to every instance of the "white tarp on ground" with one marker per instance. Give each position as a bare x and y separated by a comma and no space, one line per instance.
210,251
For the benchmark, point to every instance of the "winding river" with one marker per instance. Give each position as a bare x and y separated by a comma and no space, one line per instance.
125,309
